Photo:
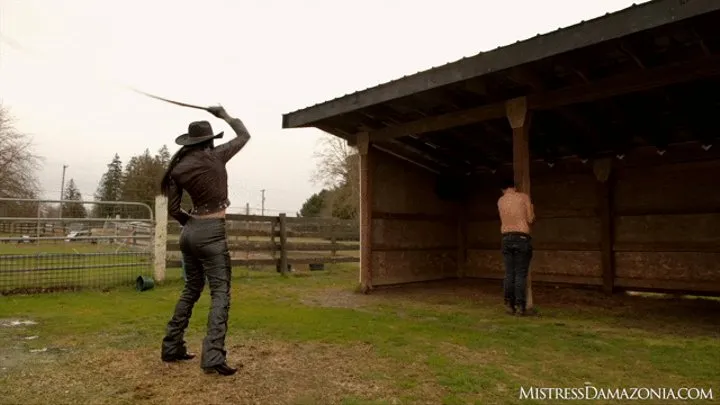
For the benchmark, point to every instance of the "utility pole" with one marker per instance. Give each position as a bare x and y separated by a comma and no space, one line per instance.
263,203
62,189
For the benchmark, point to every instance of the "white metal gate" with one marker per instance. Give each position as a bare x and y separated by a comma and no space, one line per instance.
50,245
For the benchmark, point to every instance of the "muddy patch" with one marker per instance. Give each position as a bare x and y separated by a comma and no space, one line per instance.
13,323
19,347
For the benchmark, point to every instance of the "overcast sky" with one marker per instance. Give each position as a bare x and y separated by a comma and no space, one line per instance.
259,59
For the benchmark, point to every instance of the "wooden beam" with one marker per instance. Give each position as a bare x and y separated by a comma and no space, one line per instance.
667,247
462,242
525,76
628,50
366,203
542,246
694,287
519,116
442,122
408,155
605,185
543,278
636,81
412,248
414,216
449,157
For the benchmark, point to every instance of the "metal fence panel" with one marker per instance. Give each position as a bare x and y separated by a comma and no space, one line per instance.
51,245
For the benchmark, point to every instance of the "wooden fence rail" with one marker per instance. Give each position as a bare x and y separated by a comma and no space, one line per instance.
281,241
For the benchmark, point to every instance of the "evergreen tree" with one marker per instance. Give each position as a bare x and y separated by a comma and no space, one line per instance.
163,156
315,205
138,181
71,209
141,179
110,189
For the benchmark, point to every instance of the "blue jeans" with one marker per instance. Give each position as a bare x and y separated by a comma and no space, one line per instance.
517,253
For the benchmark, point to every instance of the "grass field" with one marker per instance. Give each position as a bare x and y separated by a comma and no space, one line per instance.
310,339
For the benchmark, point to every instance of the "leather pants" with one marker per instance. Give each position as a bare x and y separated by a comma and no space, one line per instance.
204,247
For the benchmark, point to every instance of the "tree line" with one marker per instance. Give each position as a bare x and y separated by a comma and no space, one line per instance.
138,180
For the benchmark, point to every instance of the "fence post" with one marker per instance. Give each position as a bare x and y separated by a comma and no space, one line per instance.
283,244
333,237
37,231
160,239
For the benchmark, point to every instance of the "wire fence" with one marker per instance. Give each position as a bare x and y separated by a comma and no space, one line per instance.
68,245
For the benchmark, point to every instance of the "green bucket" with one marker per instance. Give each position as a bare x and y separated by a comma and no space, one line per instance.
144,283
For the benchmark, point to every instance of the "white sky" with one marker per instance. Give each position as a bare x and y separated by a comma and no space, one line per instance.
258,58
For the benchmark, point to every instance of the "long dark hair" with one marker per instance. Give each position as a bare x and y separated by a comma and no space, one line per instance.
177,157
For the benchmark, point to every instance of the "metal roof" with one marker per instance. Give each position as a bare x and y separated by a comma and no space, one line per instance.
634,19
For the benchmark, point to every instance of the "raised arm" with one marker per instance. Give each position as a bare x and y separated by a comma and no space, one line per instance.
174,199
530,209
229,149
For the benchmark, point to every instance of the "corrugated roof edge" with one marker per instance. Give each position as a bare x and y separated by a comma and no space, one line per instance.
692,8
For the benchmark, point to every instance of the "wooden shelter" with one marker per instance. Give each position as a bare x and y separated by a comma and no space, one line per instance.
612,119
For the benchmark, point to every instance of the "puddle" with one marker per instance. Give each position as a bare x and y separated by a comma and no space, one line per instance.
9,323
31,337
44,349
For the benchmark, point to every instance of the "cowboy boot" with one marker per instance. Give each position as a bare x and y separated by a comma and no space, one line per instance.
509,307
222,369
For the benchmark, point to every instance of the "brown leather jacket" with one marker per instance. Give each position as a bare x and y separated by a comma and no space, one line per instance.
203,175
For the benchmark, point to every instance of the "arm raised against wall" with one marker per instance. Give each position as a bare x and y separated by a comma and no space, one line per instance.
530,209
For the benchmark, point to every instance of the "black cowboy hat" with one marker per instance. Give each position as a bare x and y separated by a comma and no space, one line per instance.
198,131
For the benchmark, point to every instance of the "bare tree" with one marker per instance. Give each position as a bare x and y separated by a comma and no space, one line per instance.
18,162
337,169
333,166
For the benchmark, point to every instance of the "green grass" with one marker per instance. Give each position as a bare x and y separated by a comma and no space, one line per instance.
309,339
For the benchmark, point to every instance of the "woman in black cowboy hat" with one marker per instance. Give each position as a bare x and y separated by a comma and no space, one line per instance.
199,169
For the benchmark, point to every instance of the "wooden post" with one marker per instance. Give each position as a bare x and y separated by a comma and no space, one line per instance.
274,223
603,173
37,230
247,234
462,244
519,118
160,237
333,237
283,245
364,149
